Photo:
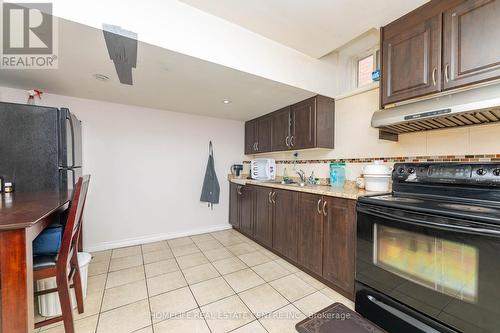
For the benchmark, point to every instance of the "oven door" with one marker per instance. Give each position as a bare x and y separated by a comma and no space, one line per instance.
442,268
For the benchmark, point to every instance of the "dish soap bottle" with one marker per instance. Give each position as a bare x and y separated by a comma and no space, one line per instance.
285,176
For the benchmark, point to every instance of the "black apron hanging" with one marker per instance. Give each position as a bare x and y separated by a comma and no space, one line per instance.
211,189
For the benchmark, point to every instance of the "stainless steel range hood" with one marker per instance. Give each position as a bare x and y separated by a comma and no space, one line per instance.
480,105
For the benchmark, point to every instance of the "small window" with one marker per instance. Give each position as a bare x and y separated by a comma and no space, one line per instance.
365,69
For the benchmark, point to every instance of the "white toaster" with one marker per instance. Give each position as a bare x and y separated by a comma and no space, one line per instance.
263,169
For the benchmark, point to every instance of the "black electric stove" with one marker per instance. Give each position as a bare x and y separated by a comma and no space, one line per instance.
428,254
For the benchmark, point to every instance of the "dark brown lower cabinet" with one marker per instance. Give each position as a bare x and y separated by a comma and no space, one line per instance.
234,219
286,206
247,209
310,232
317,233
263,225
339,237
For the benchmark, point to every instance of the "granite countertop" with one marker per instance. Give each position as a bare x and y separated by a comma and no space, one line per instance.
350,191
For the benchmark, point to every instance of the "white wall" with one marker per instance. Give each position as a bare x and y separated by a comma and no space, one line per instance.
147,169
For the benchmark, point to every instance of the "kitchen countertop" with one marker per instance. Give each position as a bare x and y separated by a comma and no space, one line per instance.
348,192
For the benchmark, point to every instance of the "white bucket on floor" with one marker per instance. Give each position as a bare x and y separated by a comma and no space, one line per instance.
48,305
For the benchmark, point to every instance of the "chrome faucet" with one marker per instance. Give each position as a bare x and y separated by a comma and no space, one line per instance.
302,176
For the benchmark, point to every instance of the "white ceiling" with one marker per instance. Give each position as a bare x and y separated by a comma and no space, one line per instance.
163,79
313,27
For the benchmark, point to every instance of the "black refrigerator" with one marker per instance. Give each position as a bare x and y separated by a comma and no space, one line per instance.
40,147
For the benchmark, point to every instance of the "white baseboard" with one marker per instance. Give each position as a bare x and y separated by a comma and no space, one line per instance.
152,238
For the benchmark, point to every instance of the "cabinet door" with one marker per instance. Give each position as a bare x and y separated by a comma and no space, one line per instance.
411,61
233,204
250,137
281,129
263,230
286,204
264,134
339,236
310,232
471,44
247,209
303,129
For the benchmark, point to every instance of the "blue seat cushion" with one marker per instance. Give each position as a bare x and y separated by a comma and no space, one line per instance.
49,241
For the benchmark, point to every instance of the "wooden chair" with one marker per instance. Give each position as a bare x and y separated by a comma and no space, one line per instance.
64,266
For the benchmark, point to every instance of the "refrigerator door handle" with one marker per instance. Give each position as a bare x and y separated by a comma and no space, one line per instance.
68,117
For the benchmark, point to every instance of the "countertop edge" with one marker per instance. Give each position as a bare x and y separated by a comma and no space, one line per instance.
345,193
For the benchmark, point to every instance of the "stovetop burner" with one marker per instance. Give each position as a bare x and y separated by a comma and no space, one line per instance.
469,208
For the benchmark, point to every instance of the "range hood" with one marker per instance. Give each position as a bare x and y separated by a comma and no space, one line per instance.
476,106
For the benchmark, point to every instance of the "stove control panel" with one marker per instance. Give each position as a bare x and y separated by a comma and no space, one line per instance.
485,174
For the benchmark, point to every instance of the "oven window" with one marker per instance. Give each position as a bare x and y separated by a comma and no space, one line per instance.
445,266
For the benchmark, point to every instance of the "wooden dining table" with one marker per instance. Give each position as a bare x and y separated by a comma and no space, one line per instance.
23,216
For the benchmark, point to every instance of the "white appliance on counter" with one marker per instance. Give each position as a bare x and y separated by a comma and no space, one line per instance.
263,169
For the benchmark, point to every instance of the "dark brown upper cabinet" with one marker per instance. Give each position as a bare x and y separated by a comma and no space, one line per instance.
307,124
258,135
471,51
440,46
411,60
281,129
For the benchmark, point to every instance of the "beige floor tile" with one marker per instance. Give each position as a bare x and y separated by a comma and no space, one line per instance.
171,304
165,282
229,265
287,265
161,267
271,271
282,320
101,256
191,260
98,268
91,305
269,254
125,294
200,273
125,262
253,327
85,325
254,258
125,319
310,280
218,254
313,303
219,323
184,250
262,299
243,280
241,248
203,238
148,329
189,322
230,241
211,290
336,297
125,276
156,256
210,245
176,242
96,283
154,247
126,252
292,287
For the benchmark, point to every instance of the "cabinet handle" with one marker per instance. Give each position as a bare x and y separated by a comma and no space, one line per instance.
446,75
434,71
291,141
238,190
324,208
318,208
273,198
269,197
286,141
